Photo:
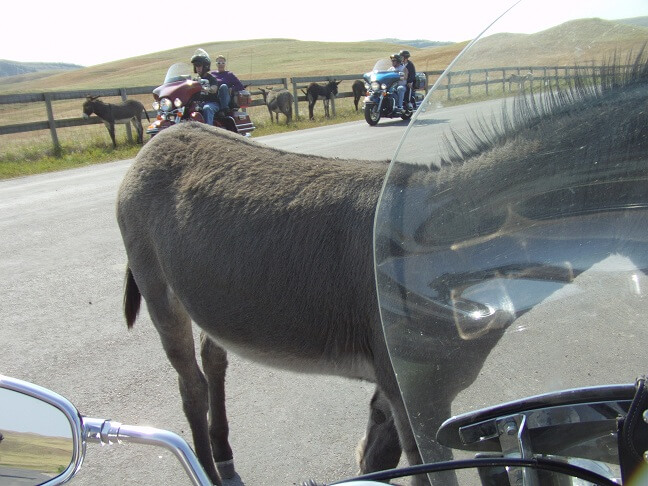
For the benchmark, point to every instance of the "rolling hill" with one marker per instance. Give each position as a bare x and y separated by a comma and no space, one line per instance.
277,58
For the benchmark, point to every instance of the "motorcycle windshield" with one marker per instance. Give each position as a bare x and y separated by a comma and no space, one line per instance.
179,71
511,236
382,65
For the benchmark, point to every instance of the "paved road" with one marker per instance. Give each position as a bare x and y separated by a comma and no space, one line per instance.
61,281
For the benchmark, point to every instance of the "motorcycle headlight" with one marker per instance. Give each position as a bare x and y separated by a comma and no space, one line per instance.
383,86
177,102
156,105
375,85
165,104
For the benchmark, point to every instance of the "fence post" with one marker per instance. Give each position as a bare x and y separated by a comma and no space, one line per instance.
52,124
469,83
129,135
295,95
449,81
486,71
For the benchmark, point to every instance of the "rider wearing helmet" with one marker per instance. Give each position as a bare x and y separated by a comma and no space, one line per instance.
411,76
397,65
201,65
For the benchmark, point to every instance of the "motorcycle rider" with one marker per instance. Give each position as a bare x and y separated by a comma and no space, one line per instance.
411,77
397,65
201,65
226,78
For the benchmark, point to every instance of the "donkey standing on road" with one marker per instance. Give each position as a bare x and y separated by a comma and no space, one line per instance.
316,92
303,297
127,111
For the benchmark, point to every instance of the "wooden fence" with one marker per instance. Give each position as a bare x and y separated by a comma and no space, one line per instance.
490,79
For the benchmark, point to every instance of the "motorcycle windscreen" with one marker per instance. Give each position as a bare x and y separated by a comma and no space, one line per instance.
511,237
180,71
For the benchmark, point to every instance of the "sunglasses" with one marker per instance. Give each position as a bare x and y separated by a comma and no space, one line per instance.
220,63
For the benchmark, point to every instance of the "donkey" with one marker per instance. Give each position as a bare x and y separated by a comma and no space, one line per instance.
194,202
278,101
520,79
316,92
359,91
127,111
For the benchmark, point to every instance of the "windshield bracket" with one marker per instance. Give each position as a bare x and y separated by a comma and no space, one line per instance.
515,442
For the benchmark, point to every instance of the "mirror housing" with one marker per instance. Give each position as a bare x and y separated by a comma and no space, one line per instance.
57,403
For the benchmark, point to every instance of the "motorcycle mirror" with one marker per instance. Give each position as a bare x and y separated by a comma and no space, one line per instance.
44,436
40,435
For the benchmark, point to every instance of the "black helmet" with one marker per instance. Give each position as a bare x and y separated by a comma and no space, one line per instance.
397,57
201,57
404,53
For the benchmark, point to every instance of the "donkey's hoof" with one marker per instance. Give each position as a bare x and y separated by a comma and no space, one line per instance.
226,469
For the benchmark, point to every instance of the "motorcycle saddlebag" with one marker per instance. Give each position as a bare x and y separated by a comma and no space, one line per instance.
243,98
420,82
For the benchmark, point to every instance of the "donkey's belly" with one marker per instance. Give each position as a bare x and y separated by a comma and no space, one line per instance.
349,367
310,359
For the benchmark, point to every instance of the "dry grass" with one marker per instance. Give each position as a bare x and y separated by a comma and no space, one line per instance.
35,452
277,58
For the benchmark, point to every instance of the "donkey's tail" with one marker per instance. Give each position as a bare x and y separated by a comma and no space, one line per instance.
132,299
146,113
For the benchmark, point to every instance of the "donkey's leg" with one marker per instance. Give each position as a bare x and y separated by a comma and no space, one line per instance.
214,360
139,129
311,106
174,326
380,448
326,107
111,130
436,408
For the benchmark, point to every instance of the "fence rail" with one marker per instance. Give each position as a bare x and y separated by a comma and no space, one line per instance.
487,77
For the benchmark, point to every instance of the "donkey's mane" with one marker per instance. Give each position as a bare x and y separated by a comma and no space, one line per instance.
586,89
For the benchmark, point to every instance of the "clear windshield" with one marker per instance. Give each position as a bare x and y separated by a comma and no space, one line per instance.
511,238
382,65
178,72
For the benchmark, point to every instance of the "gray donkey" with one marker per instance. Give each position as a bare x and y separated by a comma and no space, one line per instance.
270,254
127,111
278,101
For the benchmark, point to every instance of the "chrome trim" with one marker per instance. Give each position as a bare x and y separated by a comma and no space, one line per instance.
69,410
105,432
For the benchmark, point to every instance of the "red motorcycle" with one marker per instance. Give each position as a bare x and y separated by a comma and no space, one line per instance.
178,99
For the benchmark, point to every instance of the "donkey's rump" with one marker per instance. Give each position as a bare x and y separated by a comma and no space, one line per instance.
250,238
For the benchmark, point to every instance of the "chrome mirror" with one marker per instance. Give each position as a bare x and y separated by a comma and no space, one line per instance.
40,435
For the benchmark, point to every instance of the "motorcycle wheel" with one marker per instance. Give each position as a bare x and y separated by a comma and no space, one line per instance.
407,115
372,114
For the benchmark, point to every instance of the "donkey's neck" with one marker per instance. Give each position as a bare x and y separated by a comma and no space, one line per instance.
102,110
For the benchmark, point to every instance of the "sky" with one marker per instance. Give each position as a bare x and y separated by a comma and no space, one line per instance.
90,33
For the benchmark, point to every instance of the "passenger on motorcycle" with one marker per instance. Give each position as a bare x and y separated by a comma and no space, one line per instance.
411,76
226,78
397,65
201,64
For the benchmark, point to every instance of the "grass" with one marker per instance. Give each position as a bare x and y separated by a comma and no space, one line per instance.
34,452
31,157
31,153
